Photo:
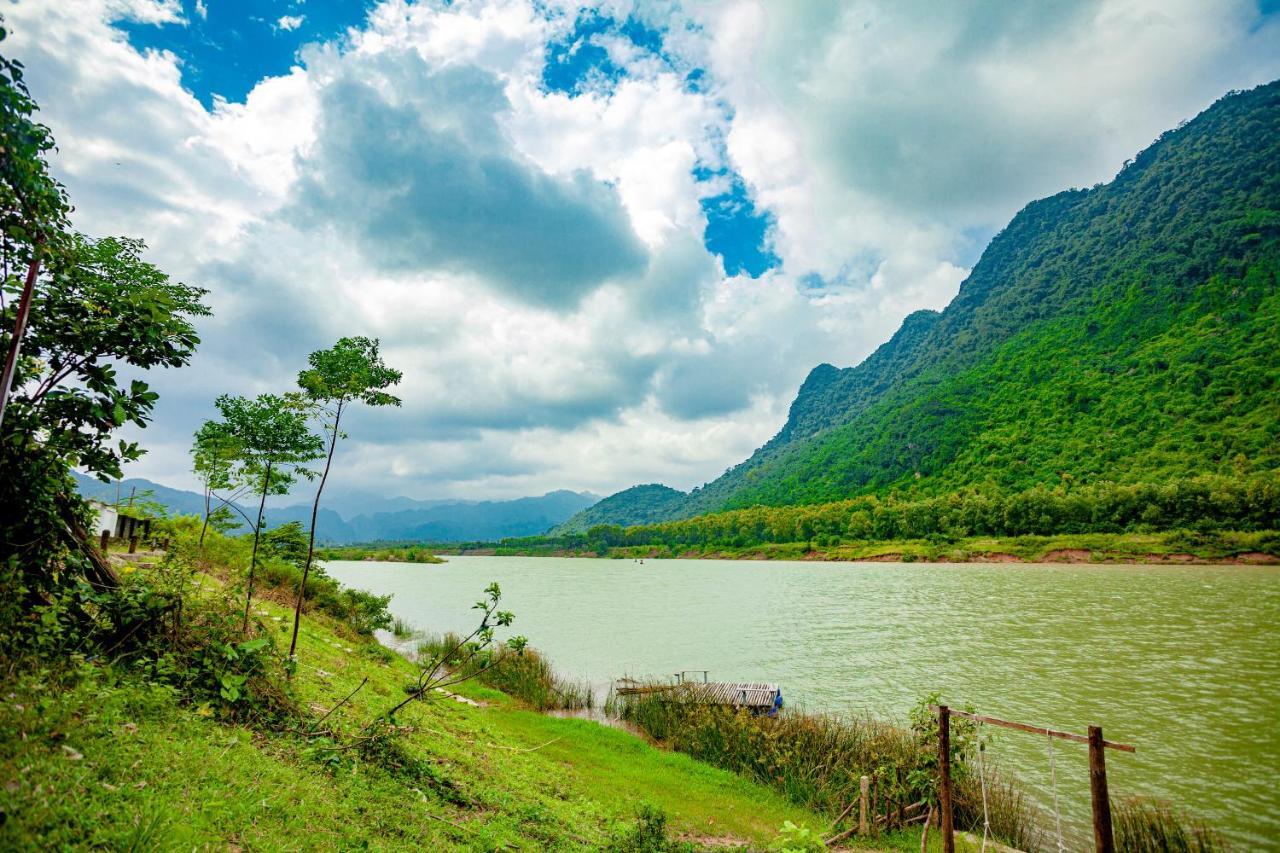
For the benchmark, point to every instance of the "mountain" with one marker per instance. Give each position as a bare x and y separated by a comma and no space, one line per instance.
428,521
636,505
176,501
1126,332
483,520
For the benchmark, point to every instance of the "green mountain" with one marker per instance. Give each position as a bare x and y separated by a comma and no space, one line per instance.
636,505
1127,332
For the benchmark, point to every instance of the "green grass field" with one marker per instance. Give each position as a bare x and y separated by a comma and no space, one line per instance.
95,757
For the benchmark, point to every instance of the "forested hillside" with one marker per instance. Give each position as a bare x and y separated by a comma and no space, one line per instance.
636,505
1129,332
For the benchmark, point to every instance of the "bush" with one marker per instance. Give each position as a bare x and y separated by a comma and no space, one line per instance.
524,674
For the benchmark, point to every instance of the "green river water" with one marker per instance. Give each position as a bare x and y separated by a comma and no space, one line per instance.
1182,661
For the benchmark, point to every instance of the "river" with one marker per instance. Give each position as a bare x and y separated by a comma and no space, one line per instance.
1182,661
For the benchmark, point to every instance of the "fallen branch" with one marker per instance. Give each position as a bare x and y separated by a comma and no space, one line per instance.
343,702
529,749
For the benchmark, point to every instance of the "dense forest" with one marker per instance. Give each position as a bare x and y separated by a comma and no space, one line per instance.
1128,333
1205,504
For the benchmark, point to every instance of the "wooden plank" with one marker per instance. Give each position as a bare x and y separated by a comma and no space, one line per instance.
1036,730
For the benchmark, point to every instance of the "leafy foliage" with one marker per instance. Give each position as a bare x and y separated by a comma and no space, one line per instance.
272,442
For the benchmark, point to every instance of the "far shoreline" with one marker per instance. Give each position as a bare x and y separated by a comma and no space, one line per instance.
1065,558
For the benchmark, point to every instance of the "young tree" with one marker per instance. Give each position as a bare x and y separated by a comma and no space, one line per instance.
351,371
213,459
274,444
478,646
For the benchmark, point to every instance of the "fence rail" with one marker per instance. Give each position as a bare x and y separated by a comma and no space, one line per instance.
1035,730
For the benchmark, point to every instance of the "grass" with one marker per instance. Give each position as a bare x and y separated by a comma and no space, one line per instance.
526,675
94,756
1152,826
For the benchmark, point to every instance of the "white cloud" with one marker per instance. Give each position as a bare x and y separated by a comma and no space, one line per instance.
146,11
290,22
535,263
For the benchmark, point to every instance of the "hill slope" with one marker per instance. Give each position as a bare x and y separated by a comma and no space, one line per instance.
1126,332
636,505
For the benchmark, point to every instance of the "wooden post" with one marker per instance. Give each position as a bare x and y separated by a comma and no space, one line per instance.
865,784
106,540
1102,837
944,778
133,544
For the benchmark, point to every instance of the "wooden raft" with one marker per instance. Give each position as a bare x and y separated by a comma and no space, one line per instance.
756,695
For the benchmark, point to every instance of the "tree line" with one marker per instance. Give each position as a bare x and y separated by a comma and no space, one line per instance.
1207,502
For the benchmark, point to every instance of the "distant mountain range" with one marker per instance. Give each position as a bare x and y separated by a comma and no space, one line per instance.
378,518
1129,332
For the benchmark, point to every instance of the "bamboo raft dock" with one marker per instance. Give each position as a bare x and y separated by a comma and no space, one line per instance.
758,697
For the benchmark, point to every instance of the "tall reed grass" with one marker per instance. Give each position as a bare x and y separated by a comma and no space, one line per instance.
526,674
1155,826
817,761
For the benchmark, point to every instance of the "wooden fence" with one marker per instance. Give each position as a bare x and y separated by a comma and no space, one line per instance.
1103,838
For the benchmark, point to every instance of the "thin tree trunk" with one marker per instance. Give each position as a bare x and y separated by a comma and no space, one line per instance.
311,543
257,534
208,510
19,327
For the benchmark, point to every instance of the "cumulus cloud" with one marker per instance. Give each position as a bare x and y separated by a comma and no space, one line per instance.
864,125
534,259
412,162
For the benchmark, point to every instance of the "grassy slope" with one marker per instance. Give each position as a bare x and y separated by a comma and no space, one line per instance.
154,774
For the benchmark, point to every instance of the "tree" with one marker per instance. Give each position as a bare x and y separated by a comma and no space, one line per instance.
350,371
102,309
274,443
213,459
33,209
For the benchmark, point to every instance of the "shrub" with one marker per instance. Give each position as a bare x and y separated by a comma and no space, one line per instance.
524,674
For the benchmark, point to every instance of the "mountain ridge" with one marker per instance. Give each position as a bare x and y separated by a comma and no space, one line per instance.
437,520
1121,331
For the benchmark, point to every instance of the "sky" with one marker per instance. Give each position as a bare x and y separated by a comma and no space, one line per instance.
604,243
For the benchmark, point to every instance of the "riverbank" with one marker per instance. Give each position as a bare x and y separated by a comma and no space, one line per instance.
1215,548
95,755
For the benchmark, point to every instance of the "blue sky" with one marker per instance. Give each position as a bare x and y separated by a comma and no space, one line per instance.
605,243
225,47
